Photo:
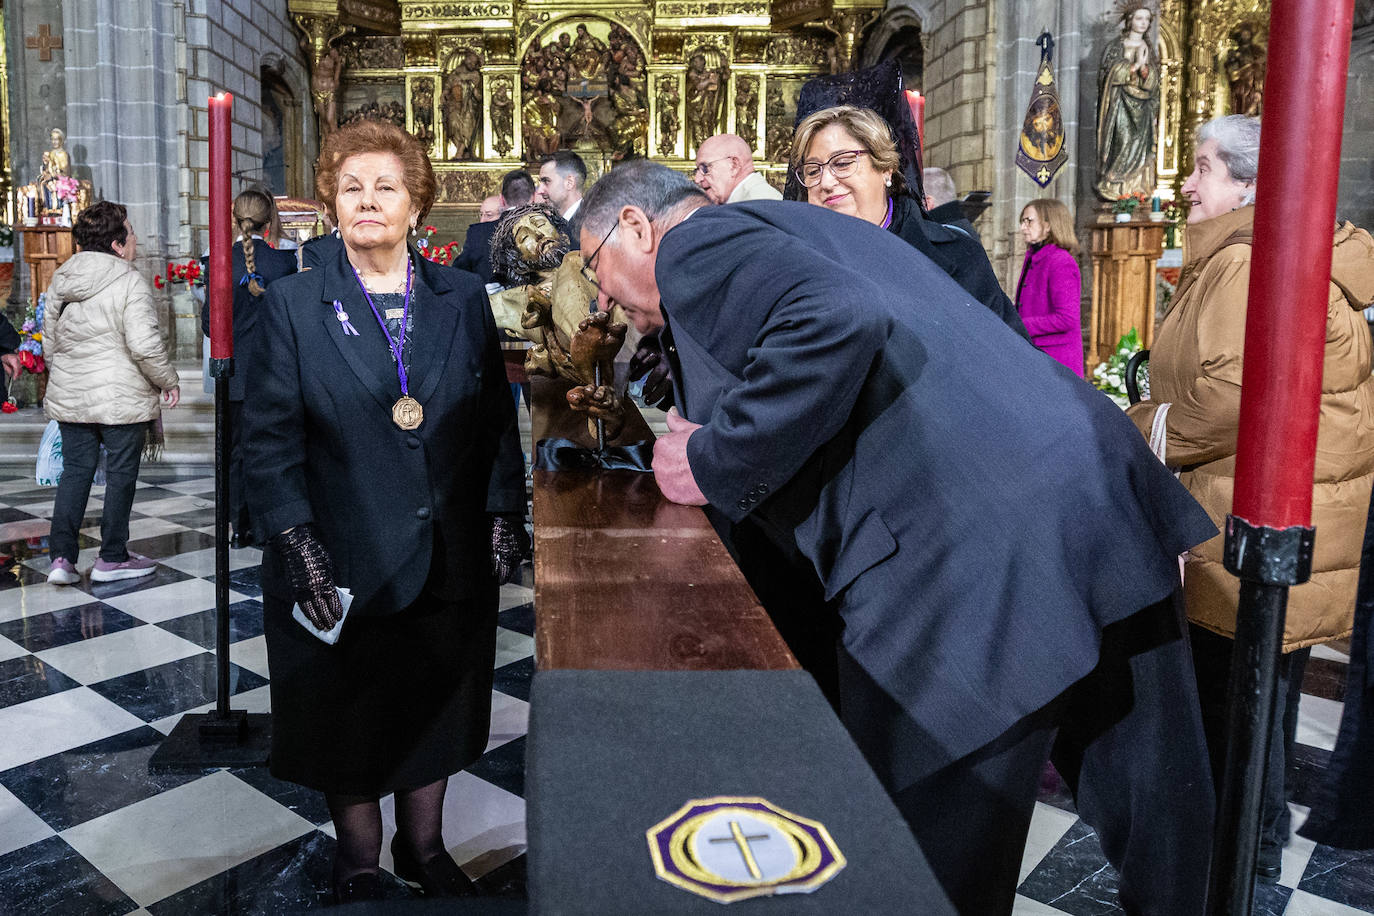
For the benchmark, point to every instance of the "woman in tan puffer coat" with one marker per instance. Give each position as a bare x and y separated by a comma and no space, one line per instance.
107,368
1195,371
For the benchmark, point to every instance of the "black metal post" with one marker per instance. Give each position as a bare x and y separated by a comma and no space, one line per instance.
1268,561
224,737
221,370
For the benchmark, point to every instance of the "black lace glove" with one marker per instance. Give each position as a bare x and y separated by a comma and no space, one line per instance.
312,575
648,362
510,545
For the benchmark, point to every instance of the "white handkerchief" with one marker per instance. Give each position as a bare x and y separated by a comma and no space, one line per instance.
329,636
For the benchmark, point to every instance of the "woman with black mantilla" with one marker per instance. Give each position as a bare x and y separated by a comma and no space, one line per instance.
383,457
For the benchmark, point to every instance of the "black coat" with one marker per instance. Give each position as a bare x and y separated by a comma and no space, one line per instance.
320,250
9,337
476,254
975,512
952,214
320,445
271,265
956,254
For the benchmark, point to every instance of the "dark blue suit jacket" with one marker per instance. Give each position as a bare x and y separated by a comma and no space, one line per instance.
476,254
271,265
975,512
320,446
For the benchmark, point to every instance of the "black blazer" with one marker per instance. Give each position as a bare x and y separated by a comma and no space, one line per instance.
320,445
959,255
952,214
476,254
975,512
272,265
320,250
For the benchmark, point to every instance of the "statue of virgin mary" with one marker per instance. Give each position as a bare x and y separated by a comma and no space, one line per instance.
1128,109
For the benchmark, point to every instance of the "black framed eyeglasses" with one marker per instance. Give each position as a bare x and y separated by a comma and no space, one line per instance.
841,165
588,270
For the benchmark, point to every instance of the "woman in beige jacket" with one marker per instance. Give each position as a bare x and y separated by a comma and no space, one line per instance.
1195,377
107,368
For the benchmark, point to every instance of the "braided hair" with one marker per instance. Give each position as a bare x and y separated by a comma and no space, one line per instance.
253,212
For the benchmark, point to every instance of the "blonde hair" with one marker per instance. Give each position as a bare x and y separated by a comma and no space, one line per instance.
254,211
864,125
1057,220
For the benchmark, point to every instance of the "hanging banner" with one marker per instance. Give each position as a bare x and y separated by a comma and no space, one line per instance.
1040,149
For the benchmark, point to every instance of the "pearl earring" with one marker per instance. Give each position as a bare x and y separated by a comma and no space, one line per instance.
887,182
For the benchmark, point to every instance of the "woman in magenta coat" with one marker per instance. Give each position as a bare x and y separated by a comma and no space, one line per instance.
1048,296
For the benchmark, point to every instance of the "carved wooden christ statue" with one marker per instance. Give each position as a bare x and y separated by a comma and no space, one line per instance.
551,307
1128,109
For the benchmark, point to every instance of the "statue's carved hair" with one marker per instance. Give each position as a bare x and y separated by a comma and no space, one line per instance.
507,266
372,136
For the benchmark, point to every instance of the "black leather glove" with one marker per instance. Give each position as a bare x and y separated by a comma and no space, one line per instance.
311,573
510,545
649,363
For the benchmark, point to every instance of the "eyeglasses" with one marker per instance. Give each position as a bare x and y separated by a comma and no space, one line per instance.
841,165
588,271
704,168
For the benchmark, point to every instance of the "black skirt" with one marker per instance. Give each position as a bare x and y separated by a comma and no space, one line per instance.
399,702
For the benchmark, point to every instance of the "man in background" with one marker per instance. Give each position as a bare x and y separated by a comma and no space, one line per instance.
942,201
561,179
725,171
490,210
517,189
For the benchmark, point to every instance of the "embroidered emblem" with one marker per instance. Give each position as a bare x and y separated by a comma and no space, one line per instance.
732,848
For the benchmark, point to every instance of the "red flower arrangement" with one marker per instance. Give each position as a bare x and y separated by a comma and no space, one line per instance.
439,254
189,273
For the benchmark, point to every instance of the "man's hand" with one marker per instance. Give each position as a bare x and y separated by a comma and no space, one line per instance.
12,366
671,470
171,396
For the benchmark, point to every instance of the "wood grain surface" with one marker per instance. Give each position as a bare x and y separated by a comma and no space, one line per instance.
626,580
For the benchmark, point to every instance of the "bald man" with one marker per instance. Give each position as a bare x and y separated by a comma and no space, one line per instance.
725,171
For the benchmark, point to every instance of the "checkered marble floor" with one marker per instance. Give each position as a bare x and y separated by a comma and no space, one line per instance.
93,676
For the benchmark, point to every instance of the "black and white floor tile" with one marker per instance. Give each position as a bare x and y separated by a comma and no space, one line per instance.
93,676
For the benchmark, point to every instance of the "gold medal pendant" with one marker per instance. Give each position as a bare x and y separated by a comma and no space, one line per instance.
407,413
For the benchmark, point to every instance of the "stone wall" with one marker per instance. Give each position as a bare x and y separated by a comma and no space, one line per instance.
227,43
1355,200
958,84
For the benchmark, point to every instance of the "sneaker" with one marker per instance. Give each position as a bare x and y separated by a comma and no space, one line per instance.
63,572
132,568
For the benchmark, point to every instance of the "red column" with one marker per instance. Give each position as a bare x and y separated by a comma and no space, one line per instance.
1295,213
221,280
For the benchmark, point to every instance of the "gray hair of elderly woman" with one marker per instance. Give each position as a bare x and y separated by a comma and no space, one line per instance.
653,188
1238,146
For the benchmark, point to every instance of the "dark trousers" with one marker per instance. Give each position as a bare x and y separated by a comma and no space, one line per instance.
1128,740
1212,661
80,453
238,498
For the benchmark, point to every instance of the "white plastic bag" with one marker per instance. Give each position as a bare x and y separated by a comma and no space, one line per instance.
49,468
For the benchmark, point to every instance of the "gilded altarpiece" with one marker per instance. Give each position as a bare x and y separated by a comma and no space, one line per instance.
489,86
1222,73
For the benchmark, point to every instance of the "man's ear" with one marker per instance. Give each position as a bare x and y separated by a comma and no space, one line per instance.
636,229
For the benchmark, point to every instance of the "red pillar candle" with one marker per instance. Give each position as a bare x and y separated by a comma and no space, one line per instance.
917,102
221,280
1290,271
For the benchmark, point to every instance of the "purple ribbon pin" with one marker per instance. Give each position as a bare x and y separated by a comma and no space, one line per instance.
343,319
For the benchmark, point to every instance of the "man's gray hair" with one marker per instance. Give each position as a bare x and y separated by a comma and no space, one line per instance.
1238,146
653,188
939,186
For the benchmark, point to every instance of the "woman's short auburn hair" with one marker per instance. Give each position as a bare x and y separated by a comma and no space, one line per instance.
1057,220
373,136
865,125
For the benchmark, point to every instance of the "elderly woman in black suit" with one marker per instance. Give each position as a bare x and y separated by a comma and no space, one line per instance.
383,458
